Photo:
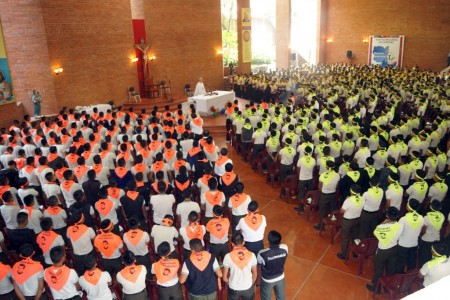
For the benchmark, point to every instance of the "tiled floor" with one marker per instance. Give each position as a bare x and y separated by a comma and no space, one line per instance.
312,270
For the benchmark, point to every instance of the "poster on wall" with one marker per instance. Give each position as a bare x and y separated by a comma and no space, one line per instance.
6,91
246,41
386,50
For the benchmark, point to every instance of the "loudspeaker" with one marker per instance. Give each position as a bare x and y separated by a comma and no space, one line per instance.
349,54
293,56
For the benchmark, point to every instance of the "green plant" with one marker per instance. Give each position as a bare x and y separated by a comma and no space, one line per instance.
261,60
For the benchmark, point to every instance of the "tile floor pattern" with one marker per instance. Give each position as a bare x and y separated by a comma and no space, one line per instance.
312,270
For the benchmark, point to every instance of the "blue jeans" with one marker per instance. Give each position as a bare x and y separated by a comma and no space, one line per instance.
37,109
279,288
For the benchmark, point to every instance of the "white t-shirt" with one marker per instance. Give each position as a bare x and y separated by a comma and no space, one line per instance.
306,173
129,287
242,209
83,245
30,286
161,233
161,205
249,234
431,234
184,209
352,211
435,273
208,206
141,248
372,204
100,291
410,236
9,214
34,221
5,285
69,290
240,279
59,220
395,197
25,192
185,237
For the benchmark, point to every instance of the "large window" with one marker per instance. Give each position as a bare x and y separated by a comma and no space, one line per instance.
229,32
263,34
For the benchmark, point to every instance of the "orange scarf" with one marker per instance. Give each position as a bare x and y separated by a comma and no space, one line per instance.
56,277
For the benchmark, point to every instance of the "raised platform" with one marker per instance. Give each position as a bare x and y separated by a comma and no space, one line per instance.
148,104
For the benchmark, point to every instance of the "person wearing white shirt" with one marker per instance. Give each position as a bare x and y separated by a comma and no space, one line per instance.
34,215
351,210
305,166
132,278
252,227
94,281
437,267
241,265
165,233
161,203
432,223
166,271
409,239
200,87
211,198
185,207
372,201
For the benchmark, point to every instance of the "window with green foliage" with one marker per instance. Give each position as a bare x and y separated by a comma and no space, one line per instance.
229,32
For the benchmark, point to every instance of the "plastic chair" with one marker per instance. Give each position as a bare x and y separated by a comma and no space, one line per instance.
334,221
314,205
366,248
133,95
397,284
289,185
273,172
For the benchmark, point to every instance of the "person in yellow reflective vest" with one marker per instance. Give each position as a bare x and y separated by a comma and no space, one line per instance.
387,234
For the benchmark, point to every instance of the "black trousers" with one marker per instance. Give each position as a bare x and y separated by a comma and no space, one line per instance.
219,250
170,293
424,252
350,228
112,266
384,259
79,263
235,221
327,204
256,149
303,186
145,261
255,247
406,257
244,295
369,221
285,170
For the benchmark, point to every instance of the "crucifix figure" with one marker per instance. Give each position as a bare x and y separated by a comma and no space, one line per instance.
143,48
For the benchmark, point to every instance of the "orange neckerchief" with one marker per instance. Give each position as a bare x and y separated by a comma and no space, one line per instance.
241,257
238,199
52,156
183,186
72,158
67,184
195,232
214,198
228,178
53,210
218,227
166,270
114,192
200,259
104,206
107,243
56,277
197,121
193,151
158,166
45,240
80,171
76,231
121,171
210,148
132,195
4,270
24,269
131,273
29,169
92,276
221,160
134,236
97,168
205,178
60,173
140,168
253,220
178,164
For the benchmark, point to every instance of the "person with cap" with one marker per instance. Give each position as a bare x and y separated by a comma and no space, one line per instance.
28,275
439,189
369,215
194,230
353,176
218,228
166,271
48,239
351,210
62,281
409,239
137,242
437,267
272,261
110,247
239,204
132,278
240,263
432,224
328,182
387,234
165,232
252,227
209,199
80,237
94,281
418,190
305,166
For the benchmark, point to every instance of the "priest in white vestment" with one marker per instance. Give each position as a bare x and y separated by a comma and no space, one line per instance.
200,88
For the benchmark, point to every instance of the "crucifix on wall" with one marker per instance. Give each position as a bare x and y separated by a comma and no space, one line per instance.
143,47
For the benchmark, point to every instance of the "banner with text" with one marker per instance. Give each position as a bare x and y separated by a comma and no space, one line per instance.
246,39
6,92
386,50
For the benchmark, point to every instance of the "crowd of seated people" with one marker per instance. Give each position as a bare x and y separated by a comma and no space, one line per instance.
131,205
372,141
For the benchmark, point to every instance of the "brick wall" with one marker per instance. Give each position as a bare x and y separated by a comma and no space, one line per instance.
93,42
28,57
185,36
425,25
